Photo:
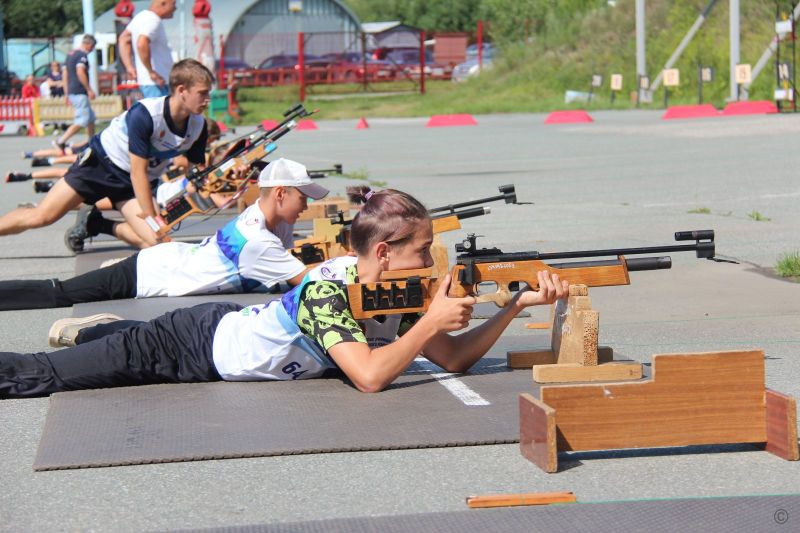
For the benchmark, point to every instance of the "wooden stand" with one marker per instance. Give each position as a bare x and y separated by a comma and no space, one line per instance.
692,399
574,354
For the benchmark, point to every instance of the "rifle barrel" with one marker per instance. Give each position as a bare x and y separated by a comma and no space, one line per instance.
703,249
466,213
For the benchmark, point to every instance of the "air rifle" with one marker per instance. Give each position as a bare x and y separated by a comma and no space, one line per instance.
474,266
445,218
216,178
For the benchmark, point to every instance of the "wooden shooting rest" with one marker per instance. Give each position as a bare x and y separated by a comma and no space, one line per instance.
692,399
574,354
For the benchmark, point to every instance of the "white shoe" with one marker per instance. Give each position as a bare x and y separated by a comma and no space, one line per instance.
63,332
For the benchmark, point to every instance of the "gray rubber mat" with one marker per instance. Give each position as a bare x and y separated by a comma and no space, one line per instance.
150,308
94,259
188,422
745,513
194,226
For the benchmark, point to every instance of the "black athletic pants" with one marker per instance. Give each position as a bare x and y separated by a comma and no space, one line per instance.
173,348
110,283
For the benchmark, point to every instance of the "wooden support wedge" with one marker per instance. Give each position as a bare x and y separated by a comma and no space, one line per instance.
694,398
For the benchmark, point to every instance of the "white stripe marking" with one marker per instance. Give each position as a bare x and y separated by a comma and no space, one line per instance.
455,386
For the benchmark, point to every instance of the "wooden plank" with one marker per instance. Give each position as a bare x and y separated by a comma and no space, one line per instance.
530,358
537,433
701,398
515,500
782,425
572,372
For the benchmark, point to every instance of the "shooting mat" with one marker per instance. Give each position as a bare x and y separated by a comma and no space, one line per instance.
743,513
190,422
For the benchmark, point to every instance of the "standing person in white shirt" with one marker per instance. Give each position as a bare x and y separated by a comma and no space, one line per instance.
145,40
249,254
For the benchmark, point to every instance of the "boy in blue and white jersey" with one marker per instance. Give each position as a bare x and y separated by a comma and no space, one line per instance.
123,162
249,254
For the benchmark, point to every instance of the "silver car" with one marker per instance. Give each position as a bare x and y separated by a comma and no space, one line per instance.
471,67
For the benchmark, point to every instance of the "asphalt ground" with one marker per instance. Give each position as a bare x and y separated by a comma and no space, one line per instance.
629,179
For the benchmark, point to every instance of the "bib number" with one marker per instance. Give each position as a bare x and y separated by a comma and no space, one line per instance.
293,369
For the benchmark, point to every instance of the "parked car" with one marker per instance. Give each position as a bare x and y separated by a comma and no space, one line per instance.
232,63
406,60
290,61
471,67
350,66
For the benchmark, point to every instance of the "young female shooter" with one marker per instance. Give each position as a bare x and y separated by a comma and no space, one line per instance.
309,331
249,254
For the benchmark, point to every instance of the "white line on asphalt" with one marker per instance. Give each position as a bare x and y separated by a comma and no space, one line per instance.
455,386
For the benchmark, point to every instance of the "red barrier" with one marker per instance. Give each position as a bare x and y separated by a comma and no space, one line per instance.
690,111
362,124
437,121
568,117
268,124
17,113
306,124
760,107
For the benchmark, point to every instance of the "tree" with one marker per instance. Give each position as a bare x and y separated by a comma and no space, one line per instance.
46,18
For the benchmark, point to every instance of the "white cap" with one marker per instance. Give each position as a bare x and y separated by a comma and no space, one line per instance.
288,173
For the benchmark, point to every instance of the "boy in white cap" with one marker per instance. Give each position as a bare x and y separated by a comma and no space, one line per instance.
249,254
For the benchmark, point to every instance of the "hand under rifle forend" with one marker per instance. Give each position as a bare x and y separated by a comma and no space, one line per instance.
508,270
217,177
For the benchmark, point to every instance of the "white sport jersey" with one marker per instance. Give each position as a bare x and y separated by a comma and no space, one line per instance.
244,256
162,145
263,342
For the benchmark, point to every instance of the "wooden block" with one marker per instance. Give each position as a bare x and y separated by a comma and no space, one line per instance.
515,500
451,223
700,398
572,372
605,354
529,358
576,328
781,425
537,433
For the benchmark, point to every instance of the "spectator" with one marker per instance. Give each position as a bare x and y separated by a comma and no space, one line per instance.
146,41
29,89
79,92
55,80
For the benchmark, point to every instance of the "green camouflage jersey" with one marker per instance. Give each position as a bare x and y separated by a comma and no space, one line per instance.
324,315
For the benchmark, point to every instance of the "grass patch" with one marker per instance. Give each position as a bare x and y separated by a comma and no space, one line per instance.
363,174
788,266
700,211
758,217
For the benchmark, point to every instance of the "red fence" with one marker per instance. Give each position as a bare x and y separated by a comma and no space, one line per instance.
327,58
17,116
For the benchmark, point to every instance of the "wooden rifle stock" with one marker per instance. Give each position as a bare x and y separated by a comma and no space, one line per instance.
507,274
